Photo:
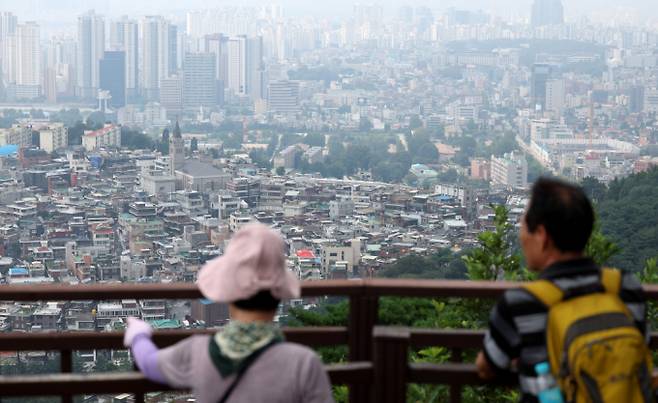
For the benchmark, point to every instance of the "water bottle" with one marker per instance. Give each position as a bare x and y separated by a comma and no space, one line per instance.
549,391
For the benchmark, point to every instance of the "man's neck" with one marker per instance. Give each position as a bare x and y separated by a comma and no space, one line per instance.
559,257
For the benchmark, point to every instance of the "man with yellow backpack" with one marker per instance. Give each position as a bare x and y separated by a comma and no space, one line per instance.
578,333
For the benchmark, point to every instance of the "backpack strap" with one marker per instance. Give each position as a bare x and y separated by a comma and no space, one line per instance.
227,394
550,294
611,280
545,291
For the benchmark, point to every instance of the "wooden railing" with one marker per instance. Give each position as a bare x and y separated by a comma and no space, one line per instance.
378,369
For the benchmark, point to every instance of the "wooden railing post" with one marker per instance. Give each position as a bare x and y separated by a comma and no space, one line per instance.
363,317
66,366
390,361
455,388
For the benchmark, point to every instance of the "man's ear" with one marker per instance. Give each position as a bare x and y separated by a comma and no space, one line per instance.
542,235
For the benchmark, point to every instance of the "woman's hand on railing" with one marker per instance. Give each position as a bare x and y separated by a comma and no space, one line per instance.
136,327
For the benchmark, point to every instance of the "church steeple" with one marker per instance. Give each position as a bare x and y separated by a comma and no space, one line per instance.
177,132
176,150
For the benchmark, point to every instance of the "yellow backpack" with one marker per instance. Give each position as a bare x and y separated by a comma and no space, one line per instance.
596,353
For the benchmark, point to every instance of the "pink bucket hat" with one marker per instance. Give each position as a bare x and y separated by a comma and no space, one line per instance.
253,261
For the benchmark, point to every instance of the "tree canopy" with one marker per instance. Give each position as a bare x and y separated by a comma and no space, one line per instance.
363,152
136,140
442,264
314,139
628,215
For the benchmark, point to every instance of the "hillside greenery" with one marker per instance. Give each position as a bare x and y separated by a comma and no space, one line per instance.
628,214
443,264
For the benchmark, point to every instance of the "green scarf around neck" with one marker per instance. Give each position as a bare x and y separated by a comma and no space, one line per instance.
239,343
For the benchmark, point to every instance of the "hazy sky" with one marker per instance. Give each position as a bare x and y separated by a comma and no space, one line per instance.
62,10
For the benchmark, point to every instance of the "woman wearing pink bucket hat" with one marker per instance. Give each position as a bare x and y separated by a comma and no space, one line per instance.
248,361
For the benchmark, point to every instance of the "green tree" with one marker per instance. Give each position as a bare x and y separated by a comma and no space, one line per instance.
194,144
503,145
439,133
443,264
357,156
600,248
136,140
9,117
163,143
365,124
260,158
449,176
535,169
272,145
334,169
649,275
314,139
280,171
594,188
336,147
67,116
421,148
37,114
391,172
471,127
75,133
328,314
427,155
415,122
95,120
232,141
290,139
627,215
495,258
467,149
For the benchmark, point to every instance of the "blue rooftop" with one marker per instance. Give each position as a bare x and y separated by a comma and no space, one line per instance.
18,271
8,150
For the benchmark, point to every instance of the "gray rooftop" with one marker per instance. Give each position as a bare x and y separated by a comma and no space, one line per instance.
198,168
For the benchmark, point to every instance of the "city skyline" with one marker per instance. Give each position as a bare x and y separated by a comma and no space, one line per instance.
45,11
248,42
